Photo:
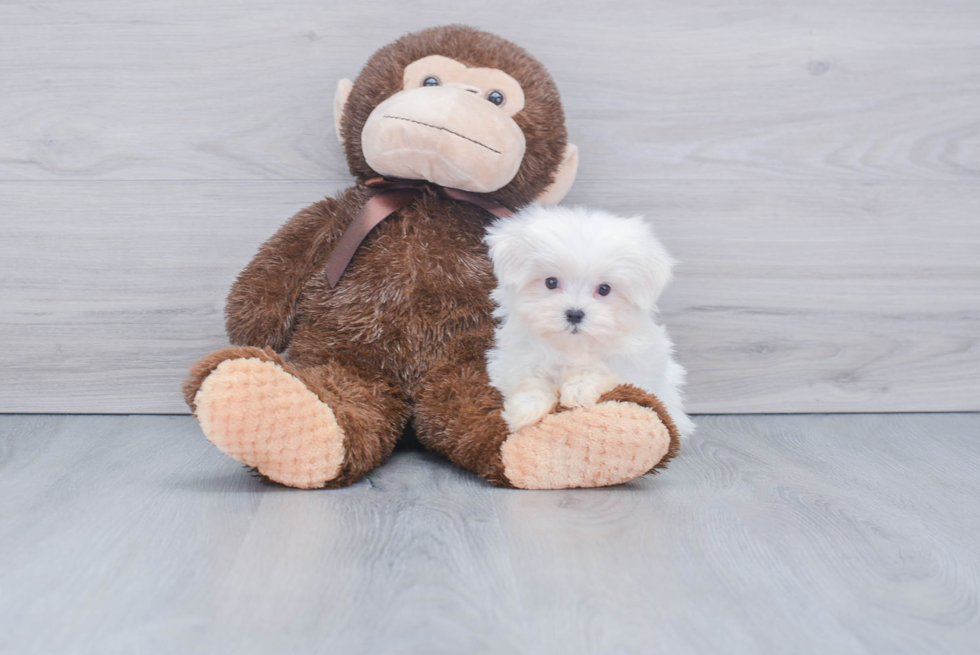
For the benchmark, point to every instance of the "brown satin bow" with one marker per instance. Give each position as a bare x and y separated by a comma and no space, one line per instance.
393,194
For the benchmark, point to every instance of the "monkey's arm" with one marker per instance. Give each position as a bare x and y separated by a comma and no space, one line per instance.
261,306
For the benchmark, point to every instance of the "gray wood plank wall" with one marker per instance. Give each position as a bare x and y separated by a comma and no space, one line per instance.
814,166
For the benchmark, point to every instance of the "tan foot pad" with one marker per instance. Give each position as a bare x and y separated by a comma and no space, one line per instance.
611,443
260,415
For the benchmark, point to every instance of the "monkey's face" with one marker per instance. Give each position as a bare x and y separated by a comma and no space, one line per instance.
438,106
450,124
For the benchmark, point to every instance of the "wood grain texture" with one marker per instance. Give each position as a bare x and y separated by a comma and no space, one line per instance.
815,166
769,534
837,297
708,89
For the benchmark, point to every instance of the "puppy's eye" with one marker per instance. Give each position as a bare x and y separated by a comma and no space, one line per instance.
430,81
551,283
496,97
603,289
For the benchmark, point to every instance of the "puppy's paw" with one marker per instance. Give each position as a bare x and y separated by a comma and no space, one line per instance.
527,407
584,390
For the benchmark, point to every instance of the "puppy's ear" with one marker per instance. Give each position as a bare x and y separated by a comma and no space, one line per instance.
507,244
656,267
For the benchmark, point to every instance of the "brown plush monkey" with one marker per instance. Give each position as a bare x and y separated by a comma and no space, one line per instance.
324,379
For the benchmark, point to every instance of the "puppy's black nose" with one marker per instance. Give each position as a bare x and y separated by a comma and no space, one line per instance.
574,316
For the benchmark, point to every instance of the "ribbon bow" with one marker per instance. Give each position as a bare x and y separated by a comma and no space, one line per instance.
392,195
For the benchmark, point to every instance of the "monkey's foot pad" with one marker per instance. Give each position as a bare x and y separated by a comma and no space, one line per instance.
610,443
258,414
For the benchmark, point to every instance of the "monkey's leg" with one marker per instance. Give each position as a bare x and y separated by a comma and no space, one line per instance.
311,427
625,435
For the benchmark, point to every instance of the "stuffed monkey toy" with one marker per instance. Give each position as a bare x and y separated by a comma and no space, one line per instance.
372,309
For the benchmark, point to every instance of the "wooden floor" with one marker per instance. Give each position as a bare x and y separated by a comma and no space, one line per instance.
770,534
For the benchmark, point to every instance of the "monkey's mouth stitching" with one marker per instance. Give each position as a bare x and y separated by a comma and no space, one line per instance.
436,127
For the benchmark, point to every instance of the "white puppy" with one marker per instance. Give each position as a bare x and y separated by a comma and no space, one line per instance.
576,295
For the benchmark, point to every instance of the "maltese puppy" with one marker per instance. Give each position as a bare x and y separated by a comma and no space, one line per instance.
576,301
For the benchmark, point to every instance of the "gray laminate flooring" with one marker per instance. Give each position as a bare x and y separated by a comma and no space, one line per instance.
770,534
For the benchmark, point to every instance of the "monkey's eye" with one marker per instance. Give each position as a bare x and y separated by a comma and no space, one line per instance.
430,81
551,283
603,289
496,97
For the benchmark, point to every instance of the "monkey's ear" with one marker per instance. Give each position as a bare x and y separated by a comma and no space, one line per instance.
339,100
564,178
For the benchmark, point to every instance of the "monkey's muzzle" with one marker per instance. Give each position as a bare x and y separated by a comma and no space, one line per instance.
445,135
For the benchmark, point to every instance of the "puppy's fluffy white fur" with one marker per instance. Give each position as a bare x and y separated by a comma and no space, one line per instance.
609,268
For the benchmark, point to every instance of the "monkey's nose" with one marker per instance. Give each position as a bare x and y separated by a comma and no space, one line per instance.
574,316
